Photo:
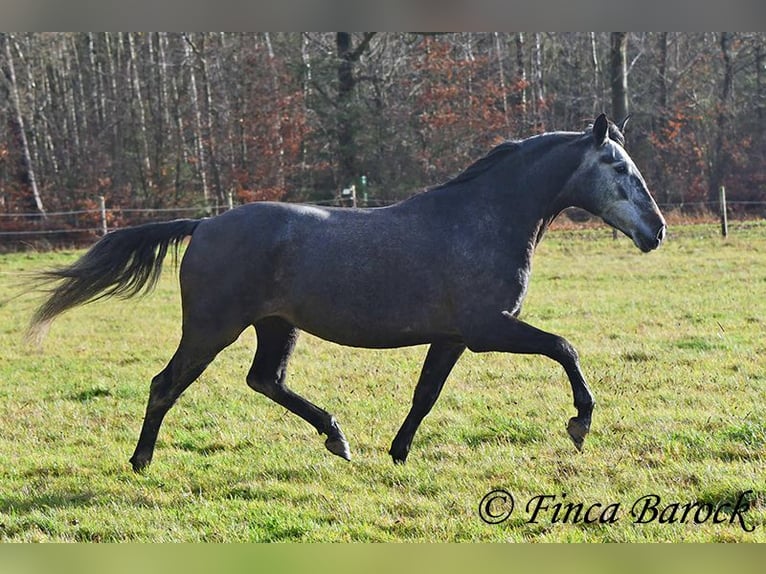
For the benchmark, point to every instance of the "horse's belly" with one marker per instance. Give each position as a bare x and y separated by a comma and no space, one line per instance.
372,336
374,321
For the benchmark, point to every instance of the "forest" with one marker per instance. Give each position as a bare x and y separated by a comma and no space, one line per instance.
207,120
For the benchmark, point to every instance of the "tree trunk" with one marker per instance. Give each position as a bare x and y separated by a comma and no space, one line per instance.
80,108
49,146
209,132
662,65
598,94
619,75
307,93
113,59
145,163
277,126
759,92
347,57
538,86
199,144
720,158
157,110
521,79
347,164
501,77
64,73
16,120
96,74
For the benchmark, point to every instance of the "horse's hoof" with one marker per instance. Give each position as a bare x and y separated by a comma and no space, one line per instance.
338,446
139,464
399,450
577,431
398,457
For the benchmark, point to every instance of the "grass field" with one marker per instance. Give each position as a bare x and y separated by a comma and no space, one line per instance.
672,343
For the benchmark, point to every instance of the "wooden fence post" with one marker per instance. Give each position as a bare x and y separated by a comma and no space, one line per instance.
724,218
102,206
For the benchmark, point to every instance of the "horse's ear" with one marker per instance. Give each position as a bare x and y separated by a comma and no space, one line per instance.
623,123
600,130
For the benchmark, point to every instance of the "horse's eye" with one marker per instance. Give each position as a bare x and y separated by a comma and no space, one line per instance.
621,167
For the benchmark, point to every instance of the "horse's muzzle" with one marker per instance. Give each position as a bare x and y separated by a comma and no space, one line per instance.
650,241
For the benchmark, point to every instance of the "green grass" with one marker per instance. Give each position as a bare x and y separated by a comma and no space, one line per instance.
672,343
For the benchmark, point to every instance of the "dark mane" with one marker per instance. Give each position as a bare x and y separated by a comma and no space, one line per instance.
503,150
481,165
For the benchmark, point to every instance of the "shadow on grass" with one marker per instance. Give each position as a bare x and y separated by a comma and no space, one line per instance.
27,504
66,515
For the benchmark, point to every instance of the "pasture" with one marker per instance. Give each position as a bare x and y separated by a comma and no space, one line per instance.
672,344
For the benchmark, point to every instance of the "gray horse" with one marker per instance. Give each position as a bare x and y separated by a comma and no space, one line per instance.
448,267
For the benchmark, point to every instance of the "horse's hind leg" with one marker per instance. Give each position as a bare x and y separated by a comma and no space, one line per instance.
195,352
439,361
276,340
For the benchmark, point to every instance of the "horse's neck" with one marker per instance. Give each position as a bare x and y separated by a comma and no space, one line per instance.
535,194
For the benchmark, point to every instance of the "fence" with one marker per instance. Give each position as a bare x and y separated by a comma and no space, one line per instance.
79,227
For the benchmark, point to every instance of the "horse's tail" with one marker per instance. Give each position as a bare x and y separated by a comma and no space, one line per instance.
123,263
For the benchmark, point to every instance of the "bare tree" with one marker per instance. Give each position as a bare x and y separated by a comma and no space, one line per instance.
618,65
129,115
347,55
521,75
501,76
538,84
26,172
199,144
720,157
144,162
277,115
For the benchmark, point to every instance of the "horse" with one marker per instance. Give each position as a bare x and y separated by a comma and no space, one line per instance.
448,267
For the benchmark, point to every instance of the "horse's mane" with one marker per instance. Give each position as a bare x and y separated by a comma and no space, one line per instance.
506,148
496,154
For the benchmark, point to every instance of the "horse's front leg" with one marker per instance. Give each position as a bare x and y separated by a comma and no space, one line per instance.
440,359
505,333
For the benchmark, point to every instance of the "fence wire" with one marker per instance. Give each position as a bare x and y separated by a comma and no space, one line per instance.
98,218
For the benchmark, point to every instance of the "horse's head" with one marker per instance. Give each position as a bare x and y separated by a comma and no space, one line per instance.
609,185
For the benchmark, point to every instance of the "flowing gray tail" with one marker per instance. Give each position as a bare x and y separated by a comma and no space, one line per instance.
123,263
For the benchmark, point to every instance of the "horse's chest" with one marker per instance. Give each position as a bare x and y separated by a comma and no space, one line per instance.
498,287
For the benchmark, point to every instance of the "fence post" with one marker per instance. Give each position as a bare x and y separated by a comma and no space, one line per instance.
724,218
102,207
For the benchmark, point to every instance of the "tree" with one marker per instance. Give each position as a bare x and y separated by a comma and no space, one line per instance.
182,120
618,66
27,177
348,56
720,156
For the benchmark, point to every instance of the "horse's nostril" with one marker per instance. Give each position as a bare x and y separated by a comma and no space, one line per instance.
660,236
